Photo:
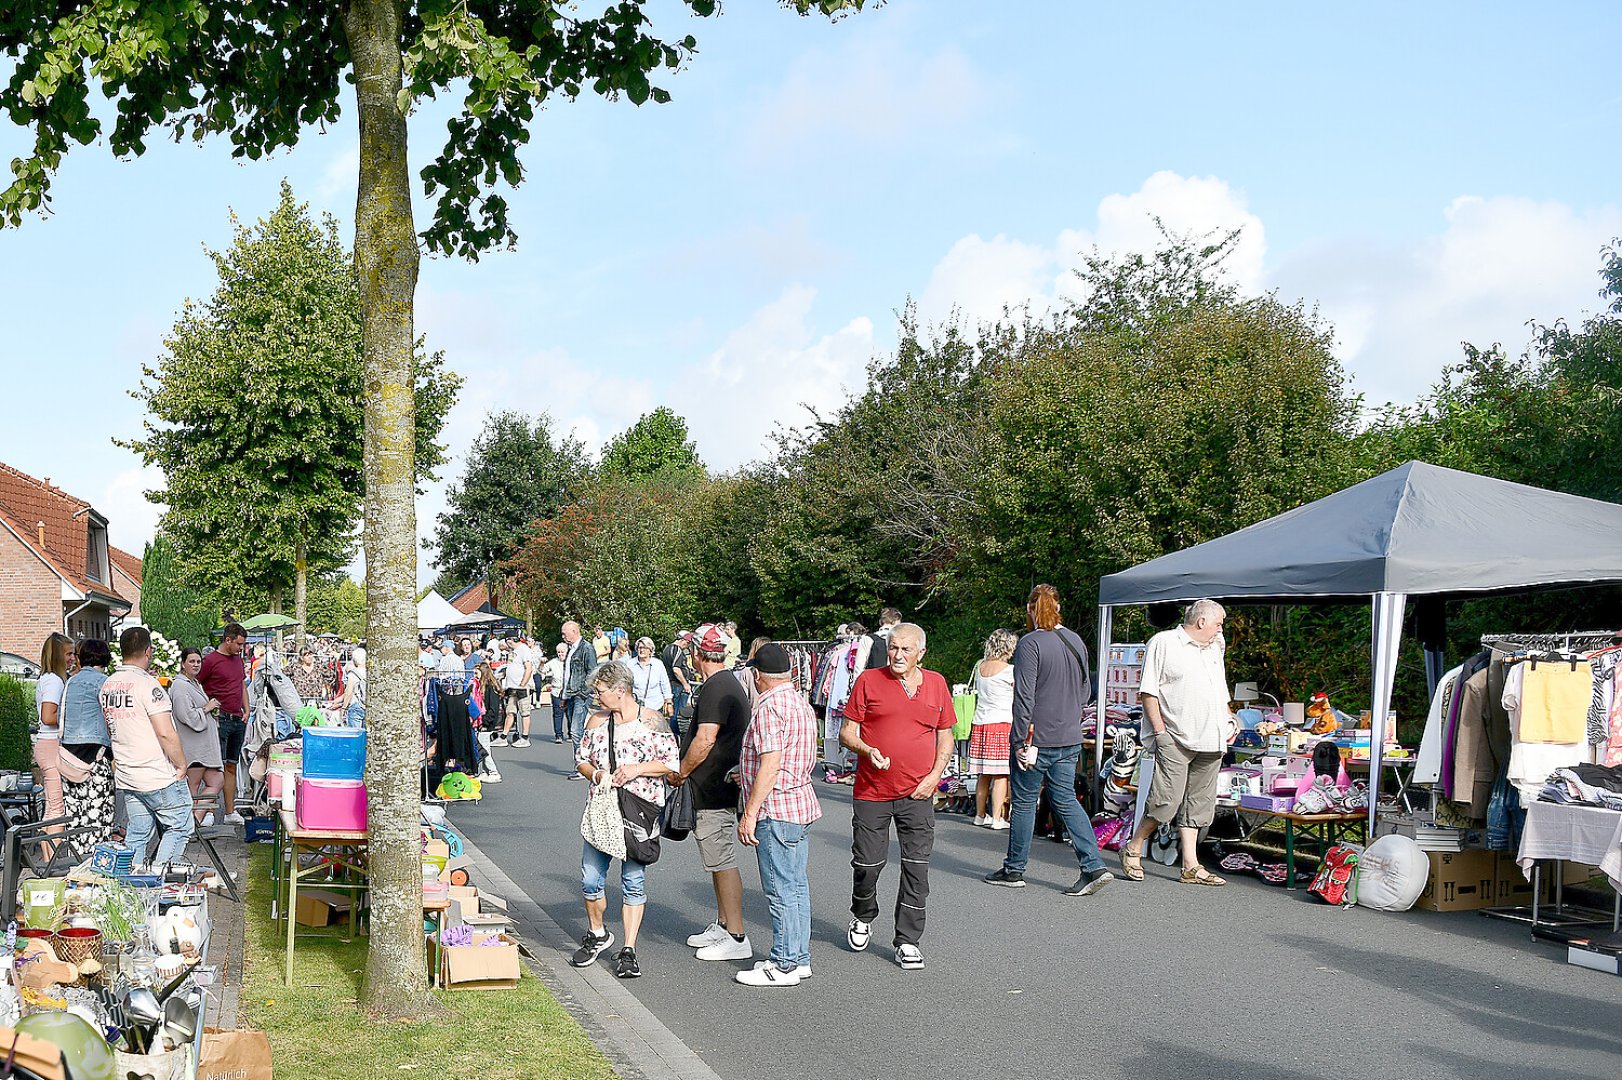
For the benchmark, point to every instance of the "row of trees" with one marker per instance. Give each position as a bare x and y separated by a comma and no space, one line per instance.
1161,410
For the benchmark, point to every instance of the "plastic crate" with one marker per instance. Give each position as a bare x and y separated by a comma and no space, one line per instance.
335,753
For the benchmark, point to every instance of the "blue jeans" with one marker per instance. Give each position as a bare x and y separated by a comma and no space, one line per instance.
560,719
578,709
594,877
1056,767
785,862
169,808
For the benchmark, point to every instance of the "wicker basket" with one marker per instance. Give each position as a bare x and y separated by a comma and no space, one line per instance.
76,944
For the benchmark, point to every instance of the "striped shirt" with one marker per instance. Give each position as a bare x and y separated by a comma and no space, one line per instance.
783,721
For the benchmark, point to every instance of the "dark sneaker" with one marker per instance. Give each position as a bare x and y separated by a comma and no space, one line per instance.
1002,877
625,965
591,947
1089,883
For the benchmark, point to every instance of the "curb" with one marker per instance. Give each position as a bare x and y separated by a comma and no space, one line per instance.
636,1042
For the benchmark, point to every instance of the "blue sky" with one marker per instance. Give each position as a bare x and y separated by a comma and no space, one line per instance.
1425,174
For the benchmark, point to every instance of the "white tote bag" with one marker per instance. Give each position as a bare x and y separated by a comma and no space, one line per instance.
601,824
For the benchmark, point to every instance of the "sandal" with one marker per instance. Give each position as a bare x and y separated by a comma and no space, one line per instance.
1131,865
1201,876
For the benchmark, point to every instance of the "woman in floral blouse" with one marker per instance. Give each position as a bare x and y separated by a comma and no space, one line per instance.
645,751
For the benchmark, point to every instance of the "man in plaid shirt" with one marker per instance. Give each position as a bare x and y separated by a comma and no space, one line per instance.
774,771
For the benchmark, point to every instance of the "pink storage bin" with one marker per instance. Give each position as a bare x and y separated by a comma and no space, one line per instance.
331,804
278,782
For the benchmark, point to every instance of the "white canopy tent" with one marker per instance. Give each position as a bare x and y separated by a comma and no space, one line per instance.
434,611
1418,530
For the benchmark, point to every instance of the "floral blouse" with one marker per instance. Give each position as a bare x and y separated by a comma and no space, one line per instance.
309,684
634,744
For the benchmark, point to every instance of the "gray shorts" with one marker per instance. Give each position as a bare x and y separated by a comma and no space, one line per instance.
1184,784
717,835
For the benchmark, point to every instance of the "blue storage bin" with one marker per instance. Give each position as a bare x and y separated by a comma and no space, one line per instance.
335,753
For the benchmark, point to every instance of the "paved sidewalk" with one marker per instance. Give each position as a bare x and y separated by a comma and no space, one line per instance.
1142,980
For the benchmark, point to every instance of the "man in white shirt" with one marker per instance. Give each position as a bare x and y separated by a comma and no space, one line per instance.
552,678
1185,698
516,682
151,762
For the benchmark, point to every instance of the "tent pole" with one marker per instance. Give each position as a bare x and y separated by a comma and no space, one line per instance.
1385,638
1106,620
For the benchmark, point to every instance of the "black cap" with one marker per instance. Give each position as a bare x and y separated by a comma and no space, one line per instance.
772,659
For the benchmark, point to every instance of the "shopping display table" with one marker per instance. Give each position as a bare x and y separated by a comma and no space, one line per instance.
1568,832
1325,830
340,867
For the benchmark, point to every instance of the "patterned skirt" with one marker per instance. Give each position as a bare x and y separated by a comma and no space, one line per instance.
89,805
988,749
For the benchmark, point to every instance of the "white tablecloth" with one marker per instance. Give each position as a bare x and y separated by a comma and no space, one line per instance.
1585,834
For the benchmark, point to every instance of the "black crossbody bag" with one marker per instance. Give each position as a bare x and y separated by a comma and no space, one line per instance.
641,815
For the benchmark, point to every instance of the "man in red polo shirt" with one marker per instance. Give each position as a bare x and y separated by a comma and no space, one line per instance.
224,679
898,722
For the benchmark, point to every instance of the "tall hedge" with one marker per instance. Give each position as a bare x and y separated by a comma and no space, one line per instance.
16,713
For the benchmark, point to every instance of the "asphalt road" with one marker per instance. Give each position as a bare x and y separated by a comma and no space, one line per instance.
1153,979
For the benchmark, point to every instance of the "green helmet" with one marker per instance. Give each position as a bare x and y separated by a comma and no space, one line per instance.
84,1051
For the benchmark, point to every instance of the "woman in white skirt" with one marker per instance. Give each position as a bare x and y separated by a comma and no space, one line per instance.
988,738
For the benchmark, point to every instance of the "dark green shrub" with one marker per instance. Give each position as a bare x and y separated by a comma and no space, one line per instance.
16,714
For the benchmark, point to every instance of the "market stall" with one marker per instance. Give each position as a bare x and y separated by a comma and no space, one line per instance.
1417,531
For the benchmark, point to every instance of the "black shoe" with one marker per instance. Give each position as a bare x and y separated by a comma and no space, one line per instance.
591,947
1089,883
625,965
1002,877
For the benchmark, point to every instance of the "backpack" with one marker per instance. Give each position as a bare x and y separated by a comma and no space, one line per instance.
1335,882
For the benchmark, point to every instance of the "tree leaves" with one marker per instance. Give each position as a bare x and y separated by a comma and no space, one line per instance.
255,410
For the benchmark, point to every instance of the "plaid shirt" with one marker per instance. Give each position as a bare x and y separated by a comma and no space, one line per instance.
783,721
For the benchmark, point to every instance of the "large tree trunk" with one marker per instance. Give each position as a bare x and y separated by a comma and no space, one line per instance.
301,579
386,261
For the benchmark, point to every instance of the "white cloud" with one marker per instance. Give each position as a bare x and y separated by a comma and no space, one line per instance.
980,277
1401,311
766,374
337,184
131,519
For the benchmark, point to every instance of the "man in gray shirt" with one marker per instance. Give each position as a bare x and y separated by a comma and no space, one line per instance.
1051,686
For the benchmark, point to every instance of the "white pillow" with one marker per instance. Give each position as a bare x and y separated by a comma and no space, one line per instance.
1391,873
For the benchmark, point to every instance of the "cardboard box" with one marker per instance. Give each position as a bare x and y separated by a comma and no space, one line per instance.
1460,881
480,967
317,907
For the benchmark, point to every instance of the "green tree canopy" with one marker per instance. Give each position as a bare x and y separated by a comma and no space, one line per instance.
255,412
656,445
168,605
516,471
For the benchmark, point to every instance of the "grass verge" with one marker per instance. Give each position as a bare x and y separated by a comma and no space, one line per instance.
317,1031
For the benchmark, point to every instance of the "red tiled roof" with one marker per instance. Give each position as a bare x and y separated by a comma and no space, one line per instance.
25,503
130,564
471,599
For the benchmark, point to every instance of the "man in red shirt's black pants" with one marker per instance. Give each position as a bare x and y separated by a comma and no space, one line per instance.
225,680
898,722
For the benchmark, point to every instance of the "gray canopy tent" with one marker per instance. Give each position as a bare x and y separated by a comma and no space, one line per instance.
1417,531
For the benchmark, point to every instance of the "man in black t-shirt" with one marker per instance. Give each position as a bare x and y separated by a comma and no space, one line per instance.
710,752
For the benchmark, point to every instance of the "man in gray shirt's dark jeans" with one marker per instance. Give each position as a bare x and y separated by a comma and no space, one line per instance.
1051,687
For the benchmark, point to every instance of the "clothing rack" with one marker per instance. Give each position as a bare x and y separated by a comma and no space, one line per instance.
1568,641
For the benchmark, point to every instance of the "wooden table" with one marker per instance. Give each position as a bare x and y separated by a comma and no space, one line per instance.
343,861
434,909
1326,829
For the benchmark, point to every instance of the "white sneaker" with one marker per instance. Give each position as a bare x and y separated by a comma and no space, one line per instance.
491,777
233,818
803,971
982,820
998,826
768,975
729,949
521,741
859,934
909,957
498,739
208,819
709,936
